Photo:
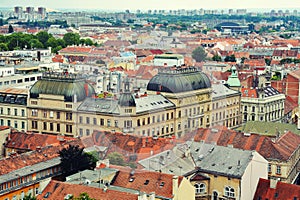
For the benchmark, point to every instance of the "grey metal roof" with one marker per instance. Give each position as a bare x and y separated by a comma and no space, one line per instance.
91,175
152,102
29,170
220,160
220,90
108,106
169,162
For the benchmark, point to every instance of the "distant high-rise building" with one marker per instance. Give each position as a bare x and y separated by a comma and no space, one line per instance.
30,10
41,10
18,9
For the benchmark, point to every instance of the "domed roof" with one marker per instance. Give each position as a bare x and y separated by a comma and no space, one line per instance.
70,87
180,80
127,99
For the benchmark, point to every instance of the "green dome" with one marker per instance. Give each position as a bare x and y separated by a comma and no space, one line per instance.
127,99
179,80
70,87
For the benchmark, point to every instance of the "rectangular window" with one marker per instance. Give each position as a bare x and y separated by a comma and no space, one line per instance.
116,123
269,168
69,128
16,112
87,132
80,120
8,111
278,169
34,102
16,124
45,114
8,123
68,105
23,125
51,114
128,124
95,121
80,132
34,124
34,112
58,127
69,116
23,113
138,122
45,125
87,120
108,122
102,122
57,115
1,111
51,126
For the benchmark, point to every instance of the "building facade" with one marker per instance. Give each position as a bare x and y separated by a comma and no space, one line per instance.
262,104
13,108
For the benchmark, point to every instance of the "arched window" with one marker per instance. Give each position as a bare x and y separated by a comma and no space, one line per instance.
215,195
229,191
199,188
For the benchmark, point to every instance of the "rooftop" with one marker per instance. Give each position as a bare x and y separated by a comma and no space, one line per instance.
226,161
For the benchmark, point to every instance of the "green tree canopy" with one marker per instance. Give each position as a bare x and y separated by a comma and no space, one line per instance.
10,29
116,158
71,39
73,159
29,197
43,37
199,54
230,58
217,58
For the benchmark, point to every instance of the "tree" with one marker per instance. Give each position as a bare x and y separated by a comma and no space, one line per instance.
3,47
73,159
35,43
116,158
29,197
199,54
43,37
10,29
217,58
71,39
230,58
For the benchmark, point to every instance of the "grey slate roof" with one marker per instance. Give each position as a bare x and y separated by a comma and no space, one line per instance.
29,170
220,160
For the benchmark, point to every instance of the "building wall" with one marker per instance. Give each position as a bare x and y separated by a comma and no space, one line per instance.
168,62
257,168
3,135
52,111
13,115
185,191
263,109
292,87
226,111
218,184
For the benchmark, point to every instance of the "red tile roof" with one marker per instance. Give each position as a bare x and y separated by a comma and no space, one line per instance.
289,104
28,141
160,183
283,191
4,128
33,157
128,145
248,92
59,190
281,149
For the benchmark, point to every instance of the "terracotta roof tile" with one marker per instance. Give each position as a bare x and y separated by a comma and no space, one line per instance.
59,190
160,183
281,149
283,191
33,157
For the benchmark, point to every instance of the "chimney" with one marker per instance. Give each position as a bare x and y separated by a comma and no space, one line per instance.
175,185
142,196
273,182
86,88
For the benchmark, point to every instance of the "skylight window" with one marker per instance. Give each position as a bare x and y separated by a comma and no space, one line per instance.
162,184
131,179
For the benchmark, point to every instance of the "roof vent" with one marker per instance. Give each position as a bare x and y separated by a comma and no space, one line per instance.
247,134
146,182
200,157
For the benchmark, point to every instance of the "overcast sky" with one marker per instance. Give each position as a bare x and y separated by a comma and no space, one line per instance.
155,4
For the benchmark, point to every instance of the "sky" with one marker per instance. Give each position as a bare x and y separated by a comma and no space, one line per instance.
133,5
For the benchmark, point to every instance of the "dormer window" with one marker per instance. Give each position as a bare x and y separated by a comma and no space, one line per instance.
131,179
